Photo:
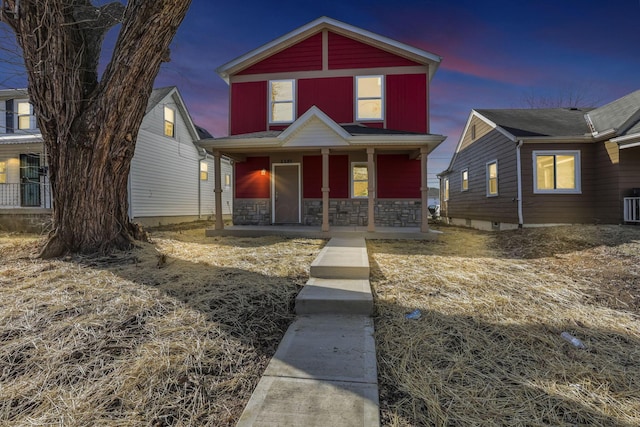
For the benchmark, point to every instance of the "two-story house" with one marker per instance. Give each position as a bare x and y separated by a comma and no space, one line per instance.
329,125
170,180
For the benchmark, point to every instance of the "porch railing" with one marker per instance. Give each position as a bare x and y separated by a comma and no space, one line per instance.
25,195
632,209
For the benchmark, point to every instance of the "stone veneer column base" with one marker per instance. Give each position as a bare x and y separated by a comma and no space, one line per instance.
251,212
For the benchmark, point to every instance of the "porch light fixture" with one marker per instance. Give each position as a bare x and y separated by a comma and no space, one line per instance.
263,172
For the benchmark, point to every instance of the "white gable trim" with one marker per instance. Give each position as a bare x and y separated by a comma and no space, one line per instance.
317,26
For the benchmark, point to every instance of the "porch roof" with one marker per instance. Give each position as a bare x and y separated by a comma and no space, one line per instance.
315,130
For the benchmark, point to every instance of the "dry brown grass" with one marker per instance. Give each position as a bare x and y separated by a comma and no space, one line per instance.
487,350
179,331
176,332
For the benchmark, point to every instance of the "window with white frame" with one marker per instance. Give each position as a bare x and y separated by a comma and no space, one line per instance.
227,180
369,98
23,108
3,172
492,178
556,171
464,179
359,180
281,101
204,171
169,121
445,189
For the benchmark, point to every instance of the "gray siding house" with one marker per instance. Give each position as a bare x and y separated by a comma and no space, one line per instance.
171,179
535,167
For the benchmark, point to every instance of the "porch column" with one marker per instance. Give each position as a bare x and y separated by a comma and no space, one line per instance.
325,189
424,190
217,190
371,190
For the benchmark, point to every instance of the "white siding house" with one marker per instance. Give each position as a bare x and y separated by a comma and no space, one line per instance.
171,179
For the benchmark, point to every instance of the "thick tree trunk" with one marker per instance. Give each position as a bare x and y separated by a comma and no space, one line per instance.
89,126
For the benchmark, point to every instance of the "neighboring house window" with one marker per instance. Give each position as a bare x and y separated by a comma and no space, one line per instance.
169,121
3,172
359,180
227,180
24,115
446,189
369,91
204,171
465,179
556,171
492,178
282,101
473,132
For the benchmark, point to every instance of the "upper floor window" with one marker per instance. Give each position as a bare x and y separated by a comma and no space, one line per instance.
369,94
492,178
359,180
556,171
473,132
464,175
281,101
23,108
204,171
169,121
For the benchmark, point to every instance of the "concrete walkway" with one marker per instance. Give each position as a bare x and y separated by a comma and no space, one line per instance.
324,372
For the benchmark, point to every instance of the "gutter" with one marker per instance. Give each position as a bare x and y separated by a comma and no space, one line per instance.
519,178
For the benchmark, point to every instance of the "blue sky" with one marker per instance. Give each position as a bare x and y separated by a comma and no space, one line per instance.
496,53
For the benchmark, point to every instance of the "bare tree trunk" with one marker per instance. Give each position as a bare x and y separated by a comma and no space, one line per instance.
89,126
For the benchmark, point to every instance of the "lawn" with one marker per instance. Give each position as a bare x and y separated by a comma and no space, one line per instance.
178,331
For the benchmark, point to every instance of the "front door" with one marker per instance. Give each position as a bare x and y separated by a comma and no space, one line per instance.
30,180
286,195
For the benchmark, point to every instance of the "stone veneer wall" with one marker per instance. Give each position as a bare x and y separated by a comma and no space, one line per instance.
354,212
252,212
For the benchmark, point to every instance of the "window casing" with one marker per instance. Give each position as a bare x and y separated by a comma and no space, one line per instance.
204,171
359,180
464,180
556,172
23,108
369,98
492,178
282,101
169,122
3,172
227,180
446,189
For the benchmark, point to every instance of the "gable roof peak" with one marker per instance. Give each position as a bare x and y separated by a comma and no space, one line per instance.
324,22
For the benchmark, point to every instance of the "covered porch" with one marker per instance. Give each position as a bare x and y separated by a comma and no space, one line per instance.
317,173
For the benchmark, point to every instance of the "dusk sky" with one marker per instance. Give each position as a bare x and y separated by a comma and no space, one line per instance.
495,53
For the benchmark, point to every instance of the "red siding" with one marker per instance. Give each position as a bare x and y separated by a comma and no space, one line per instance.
248,107
407,102
338,177
334,96
398,177
348,53
303,56
250,183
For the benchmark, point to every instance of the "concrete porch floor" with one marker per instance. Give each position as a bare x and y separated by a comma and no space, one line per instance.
311,232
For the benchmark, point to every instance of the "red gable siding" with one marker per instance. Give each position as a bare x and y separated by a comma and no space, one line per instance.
398,177
407,102
334,96
303,56
248,107
338,177
348,53
250,183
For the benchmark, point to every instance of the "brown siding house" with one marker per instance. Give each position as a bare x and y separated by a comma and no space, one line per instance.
533,167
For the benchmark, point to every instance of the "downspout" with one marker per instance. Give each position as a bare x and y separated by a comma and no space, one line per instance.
200,159
519,173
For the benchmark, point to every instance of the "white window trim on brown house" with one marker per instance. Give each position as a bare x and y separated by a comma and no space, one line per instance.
577,177
489,178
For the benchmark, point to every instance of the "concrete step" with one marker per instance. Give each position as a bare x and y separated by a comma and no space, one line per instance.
323,374
343,296
342,258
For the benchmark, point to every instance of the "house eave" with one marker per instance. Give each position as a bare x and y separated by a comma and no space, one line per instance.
557,139
627,141
234,66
